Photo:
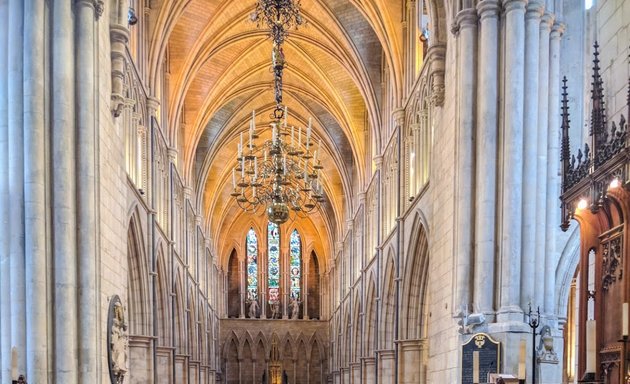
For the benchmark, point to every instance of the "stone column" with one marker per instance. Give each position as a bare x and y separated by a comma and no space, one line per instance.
510,309
386,366
242,281
305,271
16,180
486,156
35,208
541,185
369,370
86,12
410,362
5,273
63,197
553,168
467,21
530,158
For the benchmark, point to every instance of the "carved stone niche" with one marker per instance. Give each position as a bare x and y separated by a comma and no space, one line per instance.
117,341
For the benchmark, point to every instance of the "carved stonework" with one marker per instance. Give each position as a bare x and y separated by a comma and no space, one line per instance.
117,341
612,269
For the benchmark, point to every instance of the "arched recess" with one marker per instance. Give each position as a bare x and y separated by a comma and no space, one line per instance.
231,365
302,363
357,329
313,289
388,307
193,348
234,284
137,287
178,316
316,364
260,364
601,283
414,301
247,362
163,308
370,321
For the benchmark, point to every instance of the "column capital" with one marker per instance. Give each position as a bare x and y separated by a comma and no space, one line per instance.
514,5
399,116
172,154
546,21
488,8
534,10
378,161
557,30
466,18
153,103
96,5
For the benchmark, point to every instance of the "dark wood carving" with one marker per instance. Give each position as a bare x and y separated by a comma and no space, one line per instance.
612,269
588,173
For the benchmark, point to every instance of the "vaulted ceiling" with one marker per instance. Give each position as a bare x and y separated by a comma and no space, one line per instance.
218,65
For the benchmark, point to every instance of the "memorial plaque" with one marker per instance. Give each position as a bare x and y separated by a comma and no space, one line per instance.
489,351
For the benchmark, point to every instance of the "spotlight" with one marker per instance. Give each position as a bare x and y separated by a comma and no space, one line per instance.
132,19
582,204
615,183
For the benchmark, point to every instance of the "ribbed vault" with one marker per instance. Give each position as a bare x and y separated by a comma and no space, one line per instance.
218,65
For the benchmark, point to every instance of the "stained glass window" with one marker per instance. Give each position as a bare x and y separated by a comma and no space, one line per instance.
295,266
252,265
273,261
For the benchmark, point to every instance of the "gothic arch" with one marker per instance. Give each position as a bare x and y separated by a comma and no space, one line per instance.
388,303
178,315
357,328
138,286
415,282
163,308
370,323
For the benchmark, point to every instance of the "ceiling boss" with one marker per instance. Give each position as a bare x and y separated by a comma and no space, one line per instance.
281,174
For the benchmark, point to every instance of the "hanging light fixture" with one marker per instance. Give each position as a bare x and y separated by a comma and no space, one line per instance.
281,174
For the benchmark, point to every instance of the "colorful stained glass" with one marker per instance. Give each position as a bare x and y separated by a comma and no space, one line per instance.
295,266
252,265
273,262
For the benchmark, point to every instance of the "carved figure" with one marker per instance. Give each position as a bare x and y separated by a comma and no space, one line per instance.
119,343
546,353
253,309
295,309
275,310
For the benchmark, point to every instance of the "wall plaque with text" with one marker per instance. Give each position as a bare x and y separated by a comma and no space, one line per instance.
489,354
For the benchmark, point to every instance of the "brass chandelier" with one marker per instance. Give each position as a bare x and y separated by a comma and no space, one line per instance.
281,174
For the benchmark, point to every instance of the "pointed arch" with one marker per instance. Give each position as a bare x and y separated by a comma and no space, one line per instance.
388,307
295,264
273,262
163,307
370,323
178,318
252,252
234,286
414,301
138,286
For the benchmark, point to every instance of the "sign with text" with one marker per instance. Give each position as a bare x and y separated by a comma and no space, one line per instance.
488,351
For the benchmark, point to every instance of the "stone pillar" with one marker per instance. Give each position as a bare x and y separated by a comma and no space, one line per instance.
5,236
510,309
305,271
355,375
410,362
64,194
553,168
369,370
530,158
242,281
35,208
541,184
387,360
86,12
16,180
486,171
467,21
